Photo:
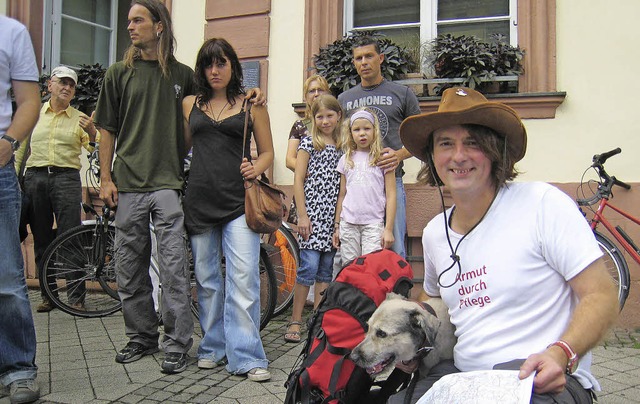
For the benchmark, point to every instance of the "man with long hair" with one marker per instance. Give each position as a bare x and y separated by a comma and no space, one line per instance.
140,106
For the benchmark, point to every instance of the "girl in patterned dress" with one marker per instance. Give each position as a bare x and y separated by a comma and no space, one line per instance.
316,187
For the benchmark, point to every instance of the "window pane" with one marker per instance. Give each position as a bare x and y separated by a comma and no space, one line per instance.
456,9
383,12
98,11
83,44
479,30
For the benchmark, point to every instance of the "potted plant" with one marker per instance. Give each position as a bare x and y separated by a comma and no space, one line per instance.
334,61
477,62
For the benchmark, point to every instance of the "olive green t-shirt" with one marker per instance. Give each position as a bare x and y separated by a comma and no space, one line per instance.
143,109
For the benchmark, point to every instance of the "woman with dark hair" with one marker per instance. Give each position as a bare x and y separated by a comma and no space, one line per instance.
214,211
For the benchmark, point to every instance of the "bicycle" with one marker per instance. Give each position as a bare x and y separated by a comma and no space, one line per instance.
82,258
284,254
615,260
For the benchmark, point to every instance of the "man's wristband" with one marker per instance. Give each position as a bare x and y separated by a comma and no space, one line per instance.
572,365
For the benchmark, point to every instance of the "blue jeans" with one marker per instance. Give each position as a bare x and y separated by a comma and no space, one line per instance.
17,334
315,266
229,306
400,224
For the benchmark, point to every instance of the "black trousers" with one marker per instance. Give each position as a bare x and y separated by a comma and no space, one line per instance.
55,193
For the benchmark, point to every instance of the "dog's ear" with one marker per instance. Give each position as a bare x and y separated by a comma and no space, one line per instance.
425,322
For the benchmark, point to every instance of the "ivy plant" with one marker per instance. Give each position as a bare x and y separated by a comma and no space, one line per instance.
335,61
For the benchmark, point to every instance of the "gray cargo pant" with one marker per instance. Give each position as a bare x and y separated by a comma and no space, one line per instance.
133,254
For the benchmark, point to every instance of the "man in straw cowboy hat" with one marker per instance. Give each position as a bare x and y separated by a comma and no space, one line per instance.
516,263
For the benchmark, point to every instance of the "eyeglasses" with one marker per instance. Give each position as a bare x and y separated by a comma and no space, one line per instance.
65,82
315,91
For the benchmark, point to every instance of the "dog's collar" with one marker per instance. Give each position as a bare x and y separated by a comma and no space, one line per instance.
426,346
428,308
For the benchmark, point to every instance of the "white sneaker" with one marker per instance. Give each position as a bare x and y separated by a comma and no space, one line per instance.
207,364
258,375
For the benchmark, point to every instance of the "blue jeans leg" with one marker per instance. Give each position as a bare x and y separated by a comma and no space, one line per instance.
17,333
400,224
238,307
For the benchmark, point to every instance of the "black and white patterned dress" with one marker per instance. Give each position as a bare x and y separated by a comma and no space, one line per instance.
321,194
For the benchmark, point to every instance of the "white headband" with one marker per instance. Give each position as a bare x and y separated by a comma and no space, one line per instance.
362,115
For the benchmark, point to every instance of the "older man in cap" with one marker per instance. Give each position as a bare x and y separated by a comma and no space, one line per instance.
516,263
52,180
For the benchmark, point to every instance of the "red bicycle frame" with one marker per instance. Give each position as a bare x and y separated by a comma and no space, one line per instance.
600,218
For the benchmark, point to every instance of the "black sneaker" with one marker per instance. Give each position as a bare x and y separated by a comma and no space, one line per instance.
174,362
24,391
134,351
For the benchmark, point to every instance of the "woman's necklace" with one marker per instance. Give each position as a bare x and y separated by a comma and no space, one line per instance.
215,118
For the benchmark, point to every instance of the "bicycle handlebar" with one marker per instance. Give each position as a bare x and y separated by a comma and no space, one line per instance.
606,181
601,158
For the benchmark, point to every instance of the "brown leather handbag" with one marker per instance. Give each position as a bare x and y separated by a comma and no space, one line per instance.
264,205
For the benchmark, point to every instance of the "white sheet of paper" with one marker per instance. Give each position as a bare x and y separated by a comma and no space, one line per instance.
480,387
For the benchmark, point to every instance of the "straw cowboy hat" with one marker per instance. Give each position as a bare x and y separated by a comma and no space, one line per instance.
459,106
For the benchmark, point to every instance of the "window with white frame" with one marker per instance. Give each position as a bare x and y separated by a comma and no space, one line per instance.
411,23
80,32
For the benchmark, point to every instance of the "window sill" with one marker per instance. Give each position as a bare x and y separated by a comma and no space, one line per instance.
527,105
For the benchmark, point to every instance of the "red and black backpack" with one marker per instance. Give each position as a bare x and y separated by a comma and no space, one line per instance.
324,373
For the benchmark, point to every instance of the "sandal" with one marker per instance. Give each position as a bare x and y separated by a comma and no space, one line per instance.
293,336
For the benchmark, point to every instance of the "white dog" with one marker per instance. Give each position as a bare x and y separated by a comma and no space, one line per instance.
400,330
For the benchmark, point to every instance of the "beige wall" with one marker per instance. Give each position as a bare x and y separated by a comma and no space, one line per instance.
3,7
596,55
286,47
188,25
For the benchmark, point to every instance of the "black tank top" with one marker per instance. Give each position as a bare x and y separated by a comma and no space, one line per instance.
215,193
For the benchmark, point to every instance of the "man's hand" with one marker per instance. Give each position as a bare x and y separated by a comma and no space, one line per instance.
389,159
256,96
410,366
86,123
6,151
109,193
550,366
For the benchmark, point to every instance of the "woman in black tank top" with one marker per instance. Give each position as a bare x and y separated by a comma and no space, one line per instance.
214,212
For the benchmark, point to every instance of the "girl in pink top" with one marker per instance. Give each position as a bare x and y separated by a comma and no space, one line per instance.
367,199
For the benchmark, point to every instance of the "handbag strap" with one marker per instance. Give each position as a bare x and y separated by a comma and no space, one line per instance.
246,105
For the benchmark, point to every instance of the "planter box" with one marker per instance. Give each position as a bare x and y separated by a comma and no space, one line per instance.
431,86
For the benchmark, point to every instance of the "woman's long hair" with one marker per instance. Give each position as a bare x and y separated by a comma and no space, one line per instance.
330,102
217,50
349,145
166,40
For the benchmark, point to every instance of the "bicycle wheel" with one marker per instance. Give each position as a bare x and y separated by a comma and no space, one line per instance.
78,276
268,288
617,267
284,255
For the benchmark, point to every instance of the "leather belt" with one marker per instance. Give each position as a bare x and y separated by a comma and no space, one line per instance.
52,169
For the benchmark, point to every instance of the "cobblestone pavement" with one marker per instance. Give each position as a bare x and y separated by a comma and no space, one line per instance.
76,364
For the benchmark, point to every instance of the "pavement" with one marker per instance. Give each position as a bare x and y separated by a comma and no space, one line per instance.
75,358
